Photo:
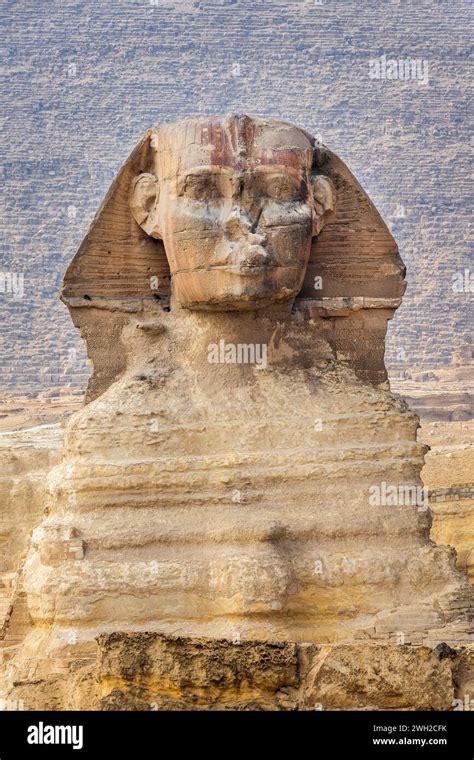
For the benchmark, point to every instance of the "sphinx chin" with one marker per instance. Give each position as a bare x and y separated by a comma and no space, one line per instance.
236,287
242,301
240,296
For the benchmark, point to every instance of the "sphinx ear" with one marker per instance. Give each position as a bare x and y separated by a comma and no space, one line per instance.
144,199
324,201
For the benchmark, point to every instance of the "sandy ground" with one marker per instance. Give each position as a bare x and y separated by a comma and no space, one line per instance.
21,413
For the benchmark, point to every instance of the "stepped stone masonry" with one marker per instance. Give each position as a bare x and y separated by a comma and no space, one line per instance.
226,482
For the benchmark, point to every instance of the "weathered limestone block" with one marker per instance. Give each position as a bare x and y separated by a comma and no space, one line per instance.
453,524
155,672
26,456
57,542
241,469
380,677
149,671
447,474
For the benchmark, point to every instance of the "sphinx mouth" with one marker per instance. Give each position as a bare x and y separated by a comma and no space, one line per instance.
241,255
252,259
252,269
241,269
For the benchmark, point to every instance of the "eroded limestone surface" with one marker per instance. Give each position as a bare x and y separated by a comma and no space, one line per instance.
26,456
153,672
149,671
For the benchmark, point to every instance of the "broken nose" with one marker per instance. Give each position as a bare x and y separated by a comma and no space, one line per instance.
238,225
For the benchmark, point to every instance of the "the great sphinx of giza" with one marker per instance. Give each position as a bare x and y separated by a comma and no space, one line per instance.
240,471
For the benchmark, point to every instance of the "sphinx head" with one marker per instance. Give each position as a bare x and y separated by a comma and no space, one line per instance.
236,202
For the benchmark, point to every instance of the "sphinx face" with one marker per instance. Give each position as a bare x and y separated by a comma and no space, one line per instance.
236,210
236,239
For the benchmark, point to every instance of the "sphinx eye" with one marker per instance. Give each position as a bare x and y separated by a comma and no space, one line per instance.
201,188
